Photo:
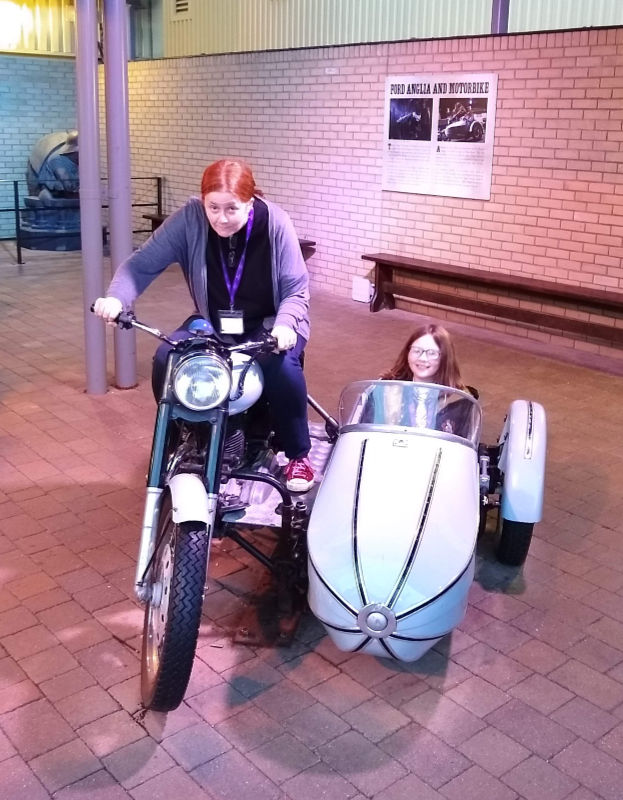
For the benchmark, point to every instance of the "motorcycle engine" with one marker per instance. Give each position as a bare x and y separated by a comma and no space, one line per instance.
234,448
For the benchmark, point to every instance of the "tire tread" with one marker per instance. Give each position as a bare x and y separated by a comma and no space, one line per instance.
166,691
515,538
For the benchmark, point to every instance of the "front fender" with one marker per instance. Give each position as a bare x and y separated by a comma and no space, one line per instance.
522,462
189,499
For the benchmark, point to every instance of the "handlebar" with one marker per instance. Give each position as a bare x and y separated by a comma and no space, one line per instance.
266,344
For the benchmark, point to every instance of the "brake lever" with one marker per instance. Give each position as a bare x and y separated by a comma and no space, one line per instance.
127,320
267,342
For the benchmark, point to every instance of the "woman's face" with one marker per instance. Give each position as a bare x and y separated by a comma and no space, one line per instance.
226,212
423,358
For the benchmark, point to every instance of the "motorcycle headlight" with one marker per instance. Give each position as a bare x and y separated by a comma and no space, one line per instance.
202,382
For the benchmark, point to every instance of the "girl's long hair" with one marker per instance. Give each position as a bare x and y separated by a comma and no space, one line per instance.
448,373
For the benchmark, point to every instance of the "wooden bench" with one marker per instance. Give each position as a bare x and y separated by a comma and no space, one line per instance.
155,219
451,282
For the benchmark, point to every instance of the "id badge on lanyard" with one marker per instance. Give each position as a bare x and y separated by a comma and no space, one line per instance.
231,320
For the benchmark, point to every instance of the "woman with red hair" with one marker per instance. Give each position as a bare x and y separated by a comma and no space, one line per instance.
242,261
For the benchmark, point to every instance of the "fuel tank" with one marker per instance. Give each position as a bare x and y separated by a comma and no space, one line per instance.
391,540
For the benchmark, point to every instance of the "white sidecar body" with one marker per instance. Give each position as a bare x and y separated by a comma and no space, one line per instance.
393,529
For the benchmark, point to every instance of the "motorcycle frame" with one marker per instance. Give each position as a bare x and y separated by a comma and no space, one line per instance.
293,516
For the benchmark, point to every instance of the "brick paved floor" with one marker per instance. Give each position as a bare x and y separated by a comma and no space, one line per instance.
523,700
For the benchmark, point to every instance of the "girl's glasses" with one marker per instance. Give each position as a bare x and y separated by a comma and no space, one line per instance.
431,355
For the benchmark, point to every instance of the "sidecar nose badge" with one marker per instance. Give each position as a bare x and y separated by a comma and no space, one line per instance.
377,621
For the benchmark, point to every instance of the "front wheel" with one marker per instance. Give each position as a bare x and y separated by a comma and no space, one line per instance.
514,543
173,612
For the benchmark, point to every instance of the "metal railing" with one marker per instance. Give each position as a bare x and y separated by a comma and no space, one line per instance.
146,194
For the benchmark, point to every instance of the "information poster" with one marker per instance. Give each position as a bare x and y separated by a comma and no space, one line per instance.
439,132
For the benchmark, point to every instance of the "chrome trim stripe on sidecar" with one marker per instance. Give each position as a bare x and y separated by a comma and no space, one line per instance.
529,432
398,636
398,587
341,629
401,581
432,482
420,606
344,603
420,638
356,560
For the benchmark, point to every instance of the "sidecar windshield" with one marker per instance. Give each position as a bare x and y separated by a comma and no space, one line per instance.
409,404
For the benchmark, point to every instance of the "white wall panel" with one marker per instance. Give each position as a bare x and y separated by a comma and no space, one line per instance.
220,26
531,15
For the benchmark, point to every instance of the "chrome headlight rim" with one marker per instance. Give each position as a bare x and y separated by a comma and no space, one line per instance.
206,374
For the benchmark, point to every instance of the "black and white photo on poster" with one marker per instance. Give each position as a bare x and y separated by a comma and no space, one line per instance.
439,132
410,118
461,120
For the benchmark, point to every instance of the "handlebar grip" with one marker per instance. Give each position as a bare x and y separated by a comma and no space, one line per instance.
124,320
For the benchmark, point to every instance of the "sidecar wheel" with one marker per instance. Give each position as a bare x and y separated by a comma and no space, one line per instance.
477,132
514,543
173,612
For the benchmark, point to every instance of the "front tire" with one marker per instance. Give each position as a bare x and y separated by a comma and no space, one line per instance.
173,612
515,538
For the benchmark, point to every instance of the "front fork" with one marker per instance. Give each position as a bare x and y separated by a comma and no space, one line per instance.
147,542
203,510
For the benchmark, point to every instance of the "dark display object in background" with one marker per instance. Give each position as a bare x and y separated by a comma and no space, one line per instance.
51,217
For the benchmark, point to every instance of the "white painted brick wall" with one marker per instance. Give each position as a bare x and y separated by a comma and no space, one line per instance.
310,123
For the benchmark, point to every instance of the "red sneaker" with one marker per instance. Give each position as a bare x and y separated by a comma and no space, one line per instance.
299,475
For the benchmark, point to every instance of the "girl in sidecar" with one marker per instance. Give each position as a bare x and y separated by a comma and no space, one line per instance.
389,573
393,530
429,356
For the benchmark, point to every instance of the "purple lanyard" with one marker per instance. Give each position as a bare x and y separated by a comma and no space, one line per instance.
232,288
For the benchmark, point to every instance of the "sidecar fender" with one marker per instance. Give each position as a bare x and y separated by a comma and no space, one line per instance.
189,498
522,461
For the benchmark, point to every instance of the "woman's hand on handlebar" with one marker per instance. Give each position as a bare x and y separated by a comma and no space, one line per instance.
286,337
108,308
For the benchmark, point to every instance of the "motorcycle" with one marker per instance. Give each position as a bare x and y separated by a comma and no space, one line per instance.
382,549
212,466
463,129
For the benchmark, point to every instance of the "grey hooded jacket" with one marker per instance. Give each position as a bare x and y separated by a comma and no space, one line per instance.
182,239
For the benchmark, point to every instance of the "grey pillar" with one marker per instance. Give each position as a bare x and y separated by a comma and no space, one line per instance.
119,184
90,192
499,16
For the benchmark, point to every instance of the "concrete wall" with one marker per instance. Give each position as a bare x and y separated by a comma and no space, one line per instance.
37,96
310,122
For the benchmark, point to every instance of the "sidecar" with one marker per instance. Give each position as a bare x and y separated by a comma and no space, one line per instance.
393,530
466,129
